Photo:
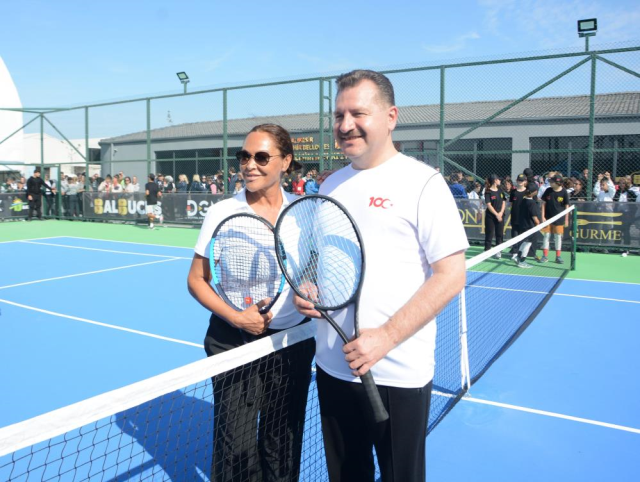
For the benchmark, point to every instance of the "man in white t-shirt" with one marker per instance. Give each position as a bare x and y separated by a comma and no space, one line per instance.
414,243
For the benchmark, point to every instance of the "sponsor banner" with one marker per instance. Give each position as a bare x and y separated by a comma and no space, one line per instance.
174,207
13,205
599,223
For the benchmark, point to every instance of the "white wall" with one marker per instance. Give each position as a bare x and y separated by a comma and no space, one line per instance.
58,151
13,148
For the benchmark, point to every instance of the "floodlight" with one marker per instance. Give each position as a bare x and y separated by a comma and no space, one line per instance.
184,78
587,27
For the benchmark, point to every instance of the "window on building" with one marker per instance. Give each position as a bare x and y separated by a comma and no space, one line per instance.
482,157
570,156
204,162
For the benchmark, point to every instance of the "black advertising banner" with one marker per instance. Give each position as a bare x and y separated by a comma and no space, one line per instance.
174,207
605,224
13,205
609,224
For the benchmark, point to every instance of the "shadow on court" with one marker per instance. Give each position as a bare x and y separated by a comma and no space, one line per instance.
171,435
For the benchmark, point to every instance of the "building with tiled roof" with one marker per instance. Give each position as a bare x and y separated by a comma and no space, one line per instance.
545,123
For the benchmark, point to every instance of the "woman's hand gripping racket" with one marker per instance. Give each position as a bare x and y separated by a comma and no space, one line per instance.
322,257
244,268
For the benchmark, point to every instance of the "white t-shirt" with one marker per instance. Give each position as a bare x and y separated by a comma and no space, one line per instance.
284,313
408,220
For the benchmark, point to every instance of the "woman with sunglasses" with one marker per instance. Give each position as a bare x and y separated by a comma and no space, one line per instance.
258,411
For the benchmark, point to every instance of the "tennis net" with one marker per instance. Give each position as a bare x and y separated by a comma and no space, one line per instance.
500,300
163,428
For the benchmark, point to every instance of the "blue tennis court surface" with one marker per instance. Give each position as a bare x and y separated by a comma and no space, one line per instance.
80,317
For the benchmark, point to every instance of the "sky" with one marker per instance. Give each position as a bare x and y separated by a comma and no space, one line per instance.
67,52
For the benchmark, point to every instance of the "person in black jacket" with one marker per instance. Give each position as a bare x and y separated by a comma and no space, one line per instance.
35,185
624,193
528,217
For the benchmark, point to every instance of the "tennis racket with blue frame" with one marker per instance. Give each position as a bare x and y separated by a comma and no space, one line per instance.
243,262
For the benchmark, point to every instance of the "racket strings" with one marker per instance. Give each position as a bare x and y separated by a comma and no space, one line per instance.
324,256
245,261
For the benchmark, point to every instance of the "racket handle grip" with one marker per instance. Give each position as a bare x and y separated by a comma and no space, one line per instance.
377,407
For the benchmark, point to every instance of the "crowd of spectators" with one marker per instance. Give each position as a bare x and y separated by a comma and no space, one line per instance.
299,184
498,191
71,188
605,189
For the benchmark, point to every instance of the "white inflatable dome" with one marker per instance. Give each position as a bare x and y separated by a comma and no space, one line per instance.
10,121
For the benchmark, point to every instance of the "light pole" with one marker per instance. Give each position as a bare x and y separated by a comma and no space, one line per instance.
184,78
587,28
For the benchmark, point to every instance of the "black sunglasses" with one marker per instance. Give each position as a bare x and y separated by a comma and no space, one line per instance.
262,158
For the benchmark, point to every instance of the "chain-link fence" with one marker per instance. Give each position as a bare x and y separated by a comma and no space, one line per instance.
577,114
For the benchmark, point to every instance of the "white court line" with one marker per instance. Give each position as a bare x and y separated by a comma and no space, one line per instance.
86,273
30,239
105,250
555,294
603,281
105,325
129,242
552,414
522,274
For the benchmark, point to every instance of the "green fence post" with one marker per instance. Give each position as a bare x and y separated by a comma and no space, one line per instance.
441,143
42,144
225,144
86,152
321,125
148,136
592,115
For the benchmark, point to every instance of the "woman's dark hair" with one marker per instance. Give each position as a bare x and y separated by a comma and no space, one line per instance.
282,139
490,180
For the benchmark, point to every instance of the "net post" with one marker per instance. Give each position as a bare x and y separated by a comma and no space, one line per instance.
574,238
464,348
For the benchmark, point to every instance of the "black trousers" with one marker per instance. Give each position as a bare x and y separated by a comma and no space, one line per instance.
259,410
34,206
515,231
492,226
349,437
50,205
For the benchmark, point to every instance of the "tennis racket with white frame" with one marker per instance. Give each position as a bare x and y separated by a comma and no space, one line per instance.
243,262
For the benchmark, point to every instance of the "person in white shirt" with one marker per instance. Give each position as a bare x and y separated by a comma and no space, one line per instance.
604,189
252,439
545,185
136,185
106,186
128,186
72,192
116,187
414,242
473,190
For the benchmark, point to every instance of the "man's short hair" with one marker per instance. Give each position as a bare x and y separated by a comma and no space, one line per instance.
151,177
353,78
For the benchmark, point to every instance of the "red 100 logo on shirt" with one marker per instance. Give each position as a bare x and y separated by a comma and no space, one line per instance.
378,202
